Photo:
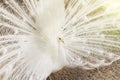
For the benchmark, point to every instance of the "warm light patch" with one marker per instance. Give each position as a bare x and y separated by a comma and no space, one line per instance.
113,5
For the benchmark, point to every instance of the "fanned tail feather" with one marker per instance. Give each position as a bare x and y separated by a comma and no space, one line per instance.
38,37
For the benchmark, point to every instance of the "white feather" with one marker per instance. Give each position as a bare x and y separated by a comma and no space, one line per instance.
38,37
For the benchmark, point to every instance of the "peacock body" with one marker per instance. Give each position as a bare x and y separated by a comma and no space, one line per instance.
38,37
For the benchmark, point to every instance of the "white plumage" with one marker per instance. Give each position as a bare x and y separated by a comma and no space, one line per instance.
38,37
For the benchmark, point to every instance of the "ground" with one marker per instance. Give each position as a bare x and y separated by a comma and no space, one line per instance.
111,72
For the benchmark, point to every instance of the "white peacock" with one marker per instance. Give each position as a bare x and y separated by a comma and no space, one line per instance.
38,37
